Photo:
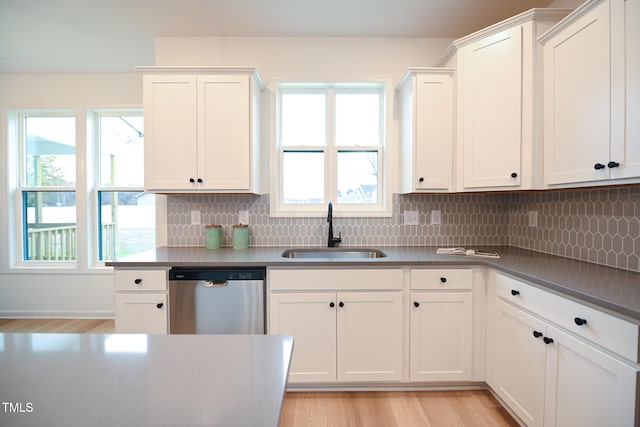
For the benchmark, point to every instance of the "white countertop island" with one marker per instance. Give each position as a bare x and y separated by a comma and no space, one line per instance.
142,380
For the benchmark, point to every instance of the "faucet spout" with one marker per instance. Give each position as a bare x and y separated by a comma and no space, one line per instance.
332,241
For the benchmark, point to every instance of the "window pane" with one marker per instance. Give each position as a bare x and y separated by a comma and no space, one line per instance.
358,119
121,151
50,224
357,177
303,177
303,119
50,151
127,222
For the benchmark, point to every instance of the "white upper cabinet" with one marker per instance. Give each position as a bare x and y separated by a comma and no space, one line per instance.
426,97
202,129
498,113
592,95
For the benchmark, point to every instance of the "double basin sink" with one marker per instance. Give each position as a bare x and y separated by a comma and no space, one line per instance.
334,253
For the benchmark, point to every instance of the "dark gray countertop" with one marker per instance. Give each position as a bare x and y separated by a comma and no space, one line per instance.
139,380
609,288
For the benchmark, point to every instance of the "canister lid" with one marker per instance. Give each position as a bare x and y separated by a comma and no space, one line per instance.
240,225
213,226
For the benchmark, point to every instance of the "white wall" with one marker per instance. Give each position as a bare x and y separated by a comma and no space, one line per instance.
85,291
305,57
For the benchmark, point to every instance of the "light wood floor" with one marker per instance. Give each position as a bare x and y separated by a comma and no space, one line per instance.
338,409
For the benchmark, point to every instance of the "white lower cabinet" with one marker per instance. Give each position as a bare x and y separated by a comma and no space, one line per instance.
351,335
441,325
549,376
347,336
586,387
141,301
519,362
141,313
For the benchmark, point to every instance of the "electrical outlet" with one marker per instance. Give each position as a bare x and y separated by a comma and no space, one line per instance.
411,218
533,218
243,217
436,217
196,218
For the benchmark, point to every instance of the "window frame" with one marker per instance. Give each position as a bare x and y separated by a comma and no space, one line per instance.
86,190
382,208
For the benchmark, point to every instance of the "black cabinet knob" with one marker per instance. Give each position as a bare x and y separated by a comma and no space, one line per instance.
137,281
537,334
416,304
331,304
443,279
547,340
613,164
421,179
341,304
514,175
160,305
579,321
200,180
598,166
514,292
191,180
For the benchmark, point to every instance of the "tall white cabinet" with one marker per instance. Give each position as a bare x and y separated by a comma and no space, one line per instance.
426,134
202,129
592,95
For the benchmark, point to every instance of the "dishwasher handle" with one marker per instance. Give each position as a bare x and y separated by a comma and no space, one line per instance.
215,283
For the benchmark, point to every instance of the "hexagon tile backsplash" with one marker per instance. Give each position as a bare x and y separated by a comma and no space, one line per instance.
600,225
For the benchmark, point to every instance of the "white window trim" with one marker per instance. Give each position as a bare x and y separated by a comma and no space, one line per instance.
86,190
385,155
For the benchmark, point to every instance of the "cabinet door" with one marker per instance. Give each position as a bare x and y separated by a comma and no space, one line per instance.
369,336
625,88
491,93
577,100
586,387
441,336
311,320
170,132
434,128
519,357
141,313
224,132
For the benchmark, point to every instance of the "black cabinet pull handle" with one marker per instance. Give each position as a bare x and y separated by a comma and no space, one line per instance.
416,304
160,305
547,340
331,304
137,281
514,292
421,179
514,175
443,279
537,334
613,164
598,166
191,180
200,180
341,304
579,321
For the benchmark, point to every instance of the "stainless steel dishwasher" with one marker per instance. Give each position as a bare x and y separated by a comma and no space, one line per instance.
216,301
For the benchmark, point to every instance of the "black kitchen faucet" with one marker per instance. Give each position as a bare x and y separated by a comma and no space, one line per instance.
332,241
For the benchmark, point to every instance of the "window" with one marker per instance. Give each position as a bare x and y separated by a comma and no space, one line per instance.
48,175
126,215
80,195
330,143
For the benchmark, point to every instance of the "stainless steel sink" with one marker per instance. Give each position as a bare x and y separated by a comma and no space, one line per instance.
333,253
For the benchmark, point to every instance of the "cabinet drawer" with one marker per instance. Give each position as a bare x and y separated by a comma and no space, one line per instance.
441,279
612,333
335,279
141,280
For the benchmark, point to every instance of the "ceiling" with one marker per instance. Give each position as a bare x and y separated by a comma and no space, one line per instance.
116,35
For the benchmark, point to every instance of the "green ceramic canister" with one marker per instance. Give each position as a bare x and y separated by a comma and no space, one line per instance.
240,236
213,236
